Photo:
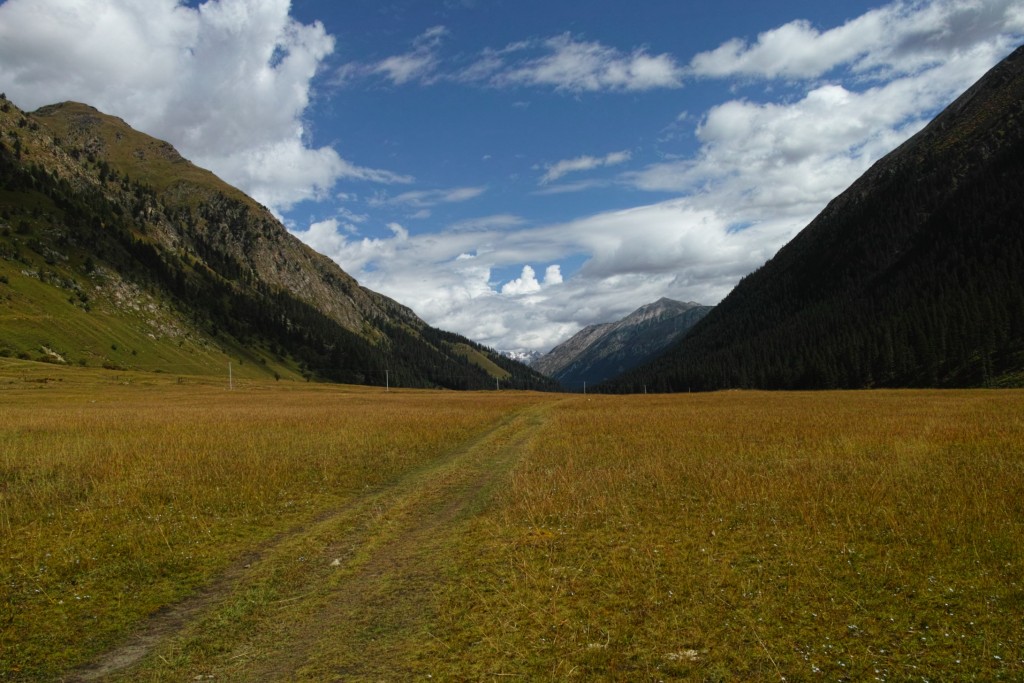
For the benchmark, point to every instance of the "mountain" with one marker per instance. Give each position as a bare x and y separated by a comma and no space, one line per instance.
525,357
562,356
599,352
116,251
911,277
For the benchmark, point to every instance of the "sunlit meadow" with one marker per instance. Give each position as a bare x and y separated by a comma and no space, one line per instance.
729,536
756,536
122,493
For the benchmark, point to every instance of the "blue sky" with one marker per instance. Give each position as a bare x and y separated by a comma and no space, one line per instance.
514,170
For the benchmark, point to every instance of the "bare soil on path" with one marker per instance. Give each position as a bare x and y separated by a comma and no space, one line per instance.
346,596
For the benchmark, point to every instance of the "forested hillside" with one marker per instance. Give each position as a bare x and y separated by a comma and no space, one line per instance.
912,277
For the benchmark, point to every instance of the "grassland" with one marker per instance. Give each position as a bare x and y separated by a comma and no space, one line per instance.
306,532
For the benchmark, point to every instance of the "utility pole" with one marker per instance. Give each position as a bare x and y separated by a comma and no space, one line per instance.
231,382
387,381
496,387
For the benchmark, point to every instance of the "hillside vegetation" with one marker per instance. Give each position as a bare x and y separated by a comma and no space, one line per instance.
912,277
156,530
115,251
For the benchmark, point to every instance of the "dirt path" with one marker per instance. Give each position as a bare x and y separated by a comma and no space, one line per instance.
340,597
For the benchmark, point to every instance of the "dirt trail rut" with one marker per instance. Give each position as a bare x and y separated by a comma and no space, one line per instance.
338,597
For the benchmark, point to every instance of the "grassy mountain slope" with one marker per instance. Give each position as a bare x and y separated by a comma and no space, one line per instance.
911,277
114,250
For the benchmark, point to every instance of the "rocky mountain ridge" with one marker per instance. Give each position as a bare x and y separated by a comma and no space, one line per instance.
602,351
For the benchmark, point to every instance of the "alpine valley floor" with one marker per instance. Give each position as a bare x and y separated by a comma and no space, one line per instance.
155,527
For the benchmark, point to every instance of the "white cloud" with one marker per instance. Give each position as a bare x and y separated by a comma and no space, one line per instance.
553,275
635,256
786,160
401,234
227,82
527,282
562,62
795,50
418,64
501,221
575,65
524,284
352,216
900,38
762,171
428,198
583,163
566,188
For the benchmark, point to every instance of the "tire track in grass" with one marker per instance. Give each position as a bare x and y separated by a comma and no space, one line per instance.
333,596
378,612
169,620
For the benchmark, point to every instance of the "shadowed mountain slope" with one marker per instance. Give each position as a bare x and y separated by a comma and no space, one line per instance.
911,277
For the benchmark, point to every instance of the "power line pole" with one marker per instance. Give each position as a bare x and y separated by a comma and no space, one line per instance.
231,382
387,381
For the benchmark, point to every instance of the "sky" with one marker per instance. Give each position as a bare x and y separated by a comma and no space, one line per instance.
514,170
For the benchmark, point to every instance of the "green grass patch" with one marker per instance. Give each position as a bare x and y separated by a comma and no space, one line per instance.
55,314
480,360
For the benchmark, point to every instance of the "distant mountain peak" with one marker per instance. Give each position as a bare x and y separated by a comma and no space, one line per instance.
599,352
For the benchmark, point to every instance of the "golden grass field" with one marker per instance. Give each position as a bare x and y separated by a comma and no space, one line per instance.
153,528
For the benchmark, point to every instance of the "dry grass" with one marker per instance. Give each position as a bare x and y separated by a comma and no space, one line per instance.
733,536
740,536
116,500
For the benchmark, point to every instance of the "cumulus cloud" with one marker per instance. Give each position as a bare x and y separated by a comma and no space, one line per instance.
524,284
583,163
633,257
527,282
226,82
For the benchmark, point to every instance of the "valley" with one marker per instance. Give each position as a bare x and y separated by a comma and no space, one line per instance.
168,528
224,458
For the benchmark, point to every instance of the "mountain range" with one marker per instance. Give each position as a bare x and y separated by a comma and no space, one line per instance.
600,352
116,251
914,276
